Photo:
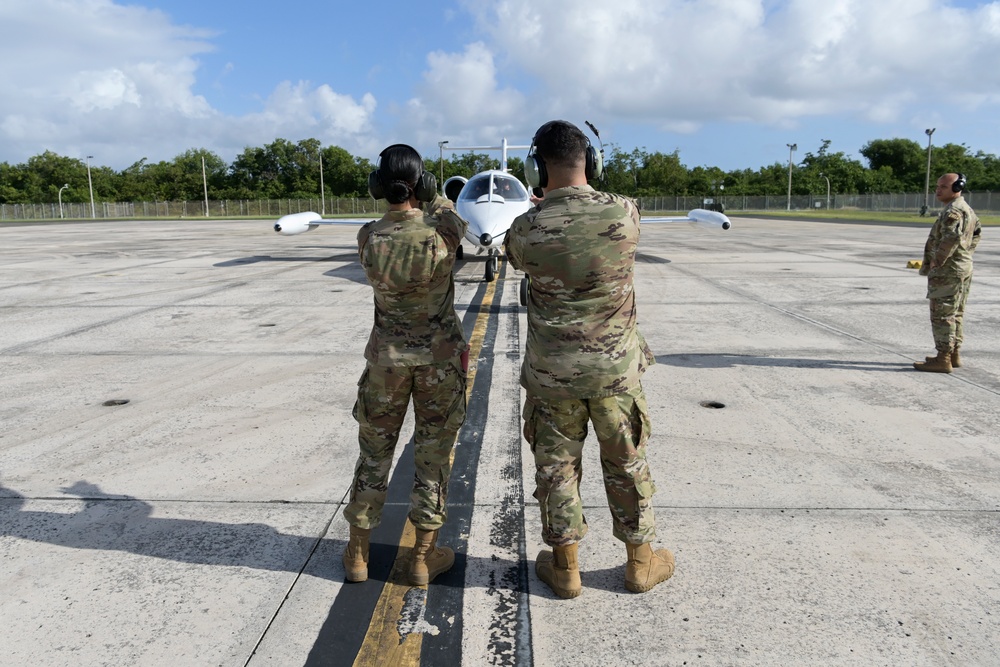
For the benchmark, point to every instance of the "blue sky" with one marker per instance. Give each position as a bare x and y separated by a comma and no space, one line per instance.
727,83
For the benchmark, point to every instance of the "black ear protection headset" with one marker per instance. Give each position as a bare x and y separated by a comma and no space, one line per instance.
425,188
959,184
535,172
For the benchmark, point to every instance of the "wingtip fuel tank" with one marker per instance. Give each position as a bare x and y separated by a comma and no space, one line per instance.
297,223
710,219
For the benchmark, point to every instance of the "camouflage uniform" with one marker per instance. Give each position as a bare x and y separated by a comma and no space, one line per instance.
414,349
584,359
951,243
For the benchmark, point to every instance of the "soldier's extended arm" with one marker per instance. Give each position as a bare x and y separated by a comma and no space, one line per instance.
363,234
437,205
450,226
512,249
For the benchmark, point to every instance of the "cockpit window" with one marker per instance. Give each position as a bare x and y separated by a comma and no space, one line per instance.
508,188
476,188
496,185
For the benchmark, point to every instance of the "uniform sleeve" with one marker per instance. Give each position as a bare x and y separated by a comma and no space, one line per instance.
954,225
450,226
363,235
437,205
632,208
513,245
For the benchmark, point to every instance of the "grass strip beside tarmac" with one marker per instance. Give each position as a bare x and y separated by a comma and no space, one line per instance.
840,215
857,216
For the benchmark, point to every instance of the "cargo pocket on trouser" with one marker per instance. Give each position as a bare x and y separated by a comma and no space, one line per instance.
359,412
631,505
439,405
556,431
645,488
530,415
456,415
364,507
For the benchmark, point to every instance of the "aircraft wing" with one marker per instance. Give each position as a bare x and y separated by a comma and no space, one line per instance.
699,216
297,223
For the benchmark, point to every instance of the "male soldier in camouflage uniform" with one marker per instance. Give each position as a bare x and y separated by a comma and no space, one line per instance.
417,349
584,359
948,267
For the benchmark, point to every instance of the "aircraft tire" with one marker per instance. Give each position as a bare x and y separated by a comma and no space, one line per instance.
524,291
460,252
491,269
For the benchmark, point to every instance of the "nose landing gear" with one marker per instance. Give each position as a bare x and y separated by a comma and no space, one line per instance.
492,265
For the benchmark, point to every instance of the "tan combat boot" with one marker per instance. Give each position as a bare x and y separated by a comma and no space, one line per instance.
939,364
646,568
956,359
427,560
356,555
560,569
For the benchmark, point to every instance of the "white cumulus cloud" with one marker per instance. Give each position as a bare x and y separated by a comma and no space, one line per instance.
119,82
681,63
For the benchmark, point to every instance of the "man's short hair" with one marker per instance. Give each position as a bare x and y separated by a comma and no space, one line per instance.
561,144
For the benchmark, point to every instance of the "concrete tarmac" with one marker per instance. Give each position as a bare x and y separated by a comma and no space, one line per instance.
827,504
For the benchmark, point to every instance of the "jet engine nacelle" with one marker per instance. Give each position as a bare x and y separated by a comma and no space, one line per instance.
453,186
297,223
710,219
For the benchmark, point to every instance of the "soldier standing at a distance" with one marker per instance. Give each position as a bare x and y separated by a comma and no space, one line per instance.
584,358
948,267
417,349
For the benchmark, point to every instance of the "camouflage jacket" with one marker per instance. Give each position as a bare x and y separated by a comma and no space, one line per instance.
578,247
408,258
952,241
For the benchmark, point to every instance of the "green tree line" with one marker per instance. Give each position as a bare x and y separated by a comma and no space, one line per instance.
283,169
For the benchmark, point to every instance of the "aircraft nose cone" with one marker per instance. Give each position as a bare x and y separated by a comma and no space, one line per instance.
486,239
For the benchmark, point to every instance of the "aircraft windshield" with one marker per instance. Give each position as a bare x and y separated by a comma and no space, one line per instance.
506,187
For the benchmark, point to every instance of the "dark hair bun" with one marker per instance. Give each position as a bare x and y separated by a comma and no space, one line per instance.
397,192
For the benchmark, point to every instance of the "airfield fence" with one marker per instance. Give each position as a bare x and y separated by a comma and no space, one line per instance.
243,208
982,202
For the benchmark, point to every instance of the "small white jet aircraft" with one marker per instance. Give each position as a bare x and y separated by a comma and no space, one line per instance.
489,202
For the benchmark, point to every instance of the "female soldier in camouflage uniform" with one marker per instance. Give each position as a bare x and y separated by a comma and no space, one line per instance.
417,349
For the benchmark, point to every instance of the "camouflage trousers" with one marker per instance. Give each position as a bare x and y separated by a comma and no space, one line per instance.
947,303
556,430
438,392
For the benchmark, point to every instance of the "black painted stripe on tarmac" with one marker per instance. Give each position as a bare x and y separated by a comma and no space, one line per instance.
510,638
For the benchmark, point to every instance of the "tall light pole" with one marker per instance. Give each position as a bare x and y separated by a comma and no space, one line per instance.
927,185
322,189
791,149
827,191
90,183
441,162
60,199
204,182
